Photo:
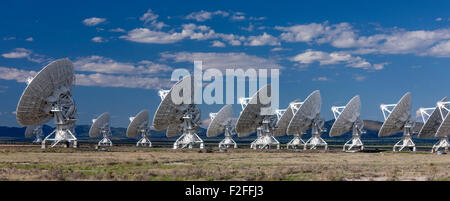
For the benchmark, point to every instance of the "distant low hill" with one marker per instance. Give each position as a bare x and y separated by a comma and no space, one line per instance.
119,134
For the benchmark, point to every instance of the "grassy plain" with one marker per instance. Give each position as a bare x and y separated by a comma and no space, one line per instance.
131,163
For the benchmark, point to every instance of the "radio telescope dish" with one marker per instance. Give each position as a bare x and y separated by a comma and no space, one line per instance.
100,127
431,121
398,119
179,118
36,132
444,129
348,118
49,95
221,122
139,126
284,117
307,116
252,119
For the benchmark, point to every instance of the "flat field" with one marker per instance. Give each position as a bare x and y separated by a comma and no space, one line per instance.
27,162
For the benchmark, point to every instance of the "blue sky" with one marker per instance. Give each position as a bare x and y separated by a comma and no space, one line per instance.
125,51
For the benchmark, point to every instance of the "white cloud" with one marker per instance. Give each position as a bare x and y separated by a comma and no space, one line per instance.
265,39
438,19
150,18
202,15
18,53
93,21
238,16
18,75
320,79
359,78
117,30
144,35
30,39
98,39
325,58
104,80
96,79
442,49
101,64
223,60
301,33
218,44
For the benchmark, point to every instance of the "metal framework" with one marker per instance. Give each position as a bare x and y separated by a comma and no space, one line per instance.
316,131
189,138
444,109
144,141
106,133
297,140
38,134
406,140
348,118
229,131
264,136
64,116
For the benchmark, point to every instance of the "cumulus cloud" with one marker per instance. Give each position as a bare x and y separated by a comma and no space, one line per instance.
18,75
117,30
104,65
150,18
325,58
98,39
202,15
104,80
96,79
264,39
217,44
30,39
93,21
19,53
223,60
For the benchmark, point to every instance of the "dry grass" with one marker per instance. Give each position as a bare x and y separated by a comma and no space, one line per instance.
127,163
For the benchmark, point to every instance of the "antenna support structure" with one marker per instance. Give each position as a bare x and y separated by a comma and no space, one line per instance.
357,131
444,109
228,141
297,140
64,112
406,141
264,132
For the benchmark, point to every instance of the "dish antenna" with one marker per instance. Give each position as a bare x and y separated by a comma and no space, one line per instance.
307,116
348,118
284,117
254,118
47,96
139,127
221,122
179,118
100,127
397,119
444,129
432,120
36,132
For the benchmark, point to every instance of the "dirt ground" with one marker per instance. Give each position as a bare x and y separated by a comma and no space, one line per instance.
131,163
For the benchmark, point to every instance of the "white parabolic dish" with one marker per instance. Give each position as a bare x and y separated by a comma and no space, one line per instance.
217,125
399,116
349,115
140,121
308,111
250,118
431,126
29,131
283,123
169,113
36,101
96,128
